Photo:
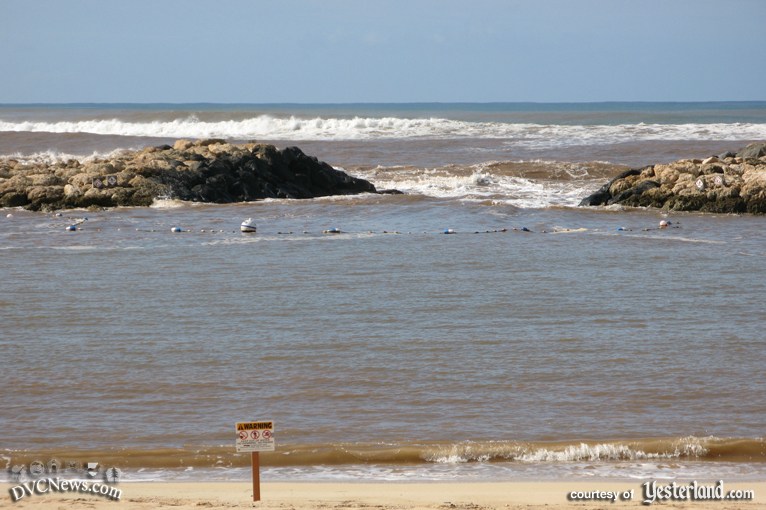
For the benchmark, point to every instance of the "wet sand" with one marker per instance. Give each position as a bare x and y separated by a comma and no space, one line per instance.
300,496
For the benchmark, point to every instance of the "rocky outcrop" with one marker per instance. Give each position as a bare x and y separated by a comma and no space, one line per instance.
202,171
729,183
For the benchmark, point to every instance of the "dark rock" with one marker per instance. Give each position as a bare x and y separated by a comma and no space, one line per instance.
600,197
635,191
210,141
685,203
725,205
603,196
14,199
215,171
753,151
756,207
712,169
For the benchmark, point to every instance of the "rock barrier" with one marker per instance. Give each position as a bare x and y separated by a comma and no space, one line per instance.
729,183
200,171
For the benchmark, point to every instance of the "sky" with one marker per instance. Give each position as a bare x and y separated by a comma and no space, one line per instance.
349,51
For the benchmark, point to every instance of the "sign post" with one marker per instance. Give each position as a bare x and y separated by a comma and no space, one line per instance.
255,461
255,437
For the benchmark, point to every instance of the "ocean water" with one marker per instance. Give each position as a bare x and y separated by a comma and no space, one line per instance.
539,341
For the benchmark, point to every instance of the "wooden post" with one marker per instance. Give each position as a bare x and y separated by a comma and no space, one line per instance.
255,437
256,462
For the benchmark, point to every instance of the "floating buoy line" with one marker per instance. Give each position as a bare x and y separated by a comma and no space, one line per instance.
248,226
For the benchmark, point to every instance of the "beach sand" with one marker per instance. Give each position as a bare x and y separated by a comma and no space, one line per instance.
410,496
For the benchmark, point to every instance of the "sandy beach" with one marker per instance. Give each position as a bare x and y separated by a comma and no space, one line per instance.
298,496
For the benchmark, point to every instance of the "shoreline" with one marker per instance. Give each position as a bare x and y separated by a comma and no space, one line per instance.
384,495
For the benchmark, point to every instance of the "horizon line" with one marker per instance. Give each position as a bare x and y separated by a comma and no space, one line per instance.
364,103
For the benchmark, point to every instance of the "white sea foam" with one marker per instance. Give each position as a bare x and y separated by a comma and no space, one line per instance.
474,471
51,157
371,128
168,203
485,181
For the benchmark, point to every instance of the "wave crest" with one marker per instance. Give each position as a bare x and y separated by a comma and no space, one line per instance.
752,450
370,128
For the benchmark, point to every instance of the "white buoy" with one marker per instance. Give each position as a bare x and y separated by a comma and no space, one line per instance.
449,231
248,226
71,228
176,229
664,224
334,230
9,215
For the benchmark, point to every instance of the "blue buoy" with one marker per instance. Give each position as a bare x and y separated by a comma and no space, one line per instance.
525,229
71,228
334,230
449,231
176,229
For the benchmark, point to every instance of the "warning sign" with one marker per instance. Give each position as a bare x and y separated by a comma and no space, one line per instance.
255,436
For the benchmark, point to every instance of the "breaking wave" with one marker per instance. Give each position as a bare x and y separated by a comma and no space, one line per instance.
526,184
370,128
711,449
